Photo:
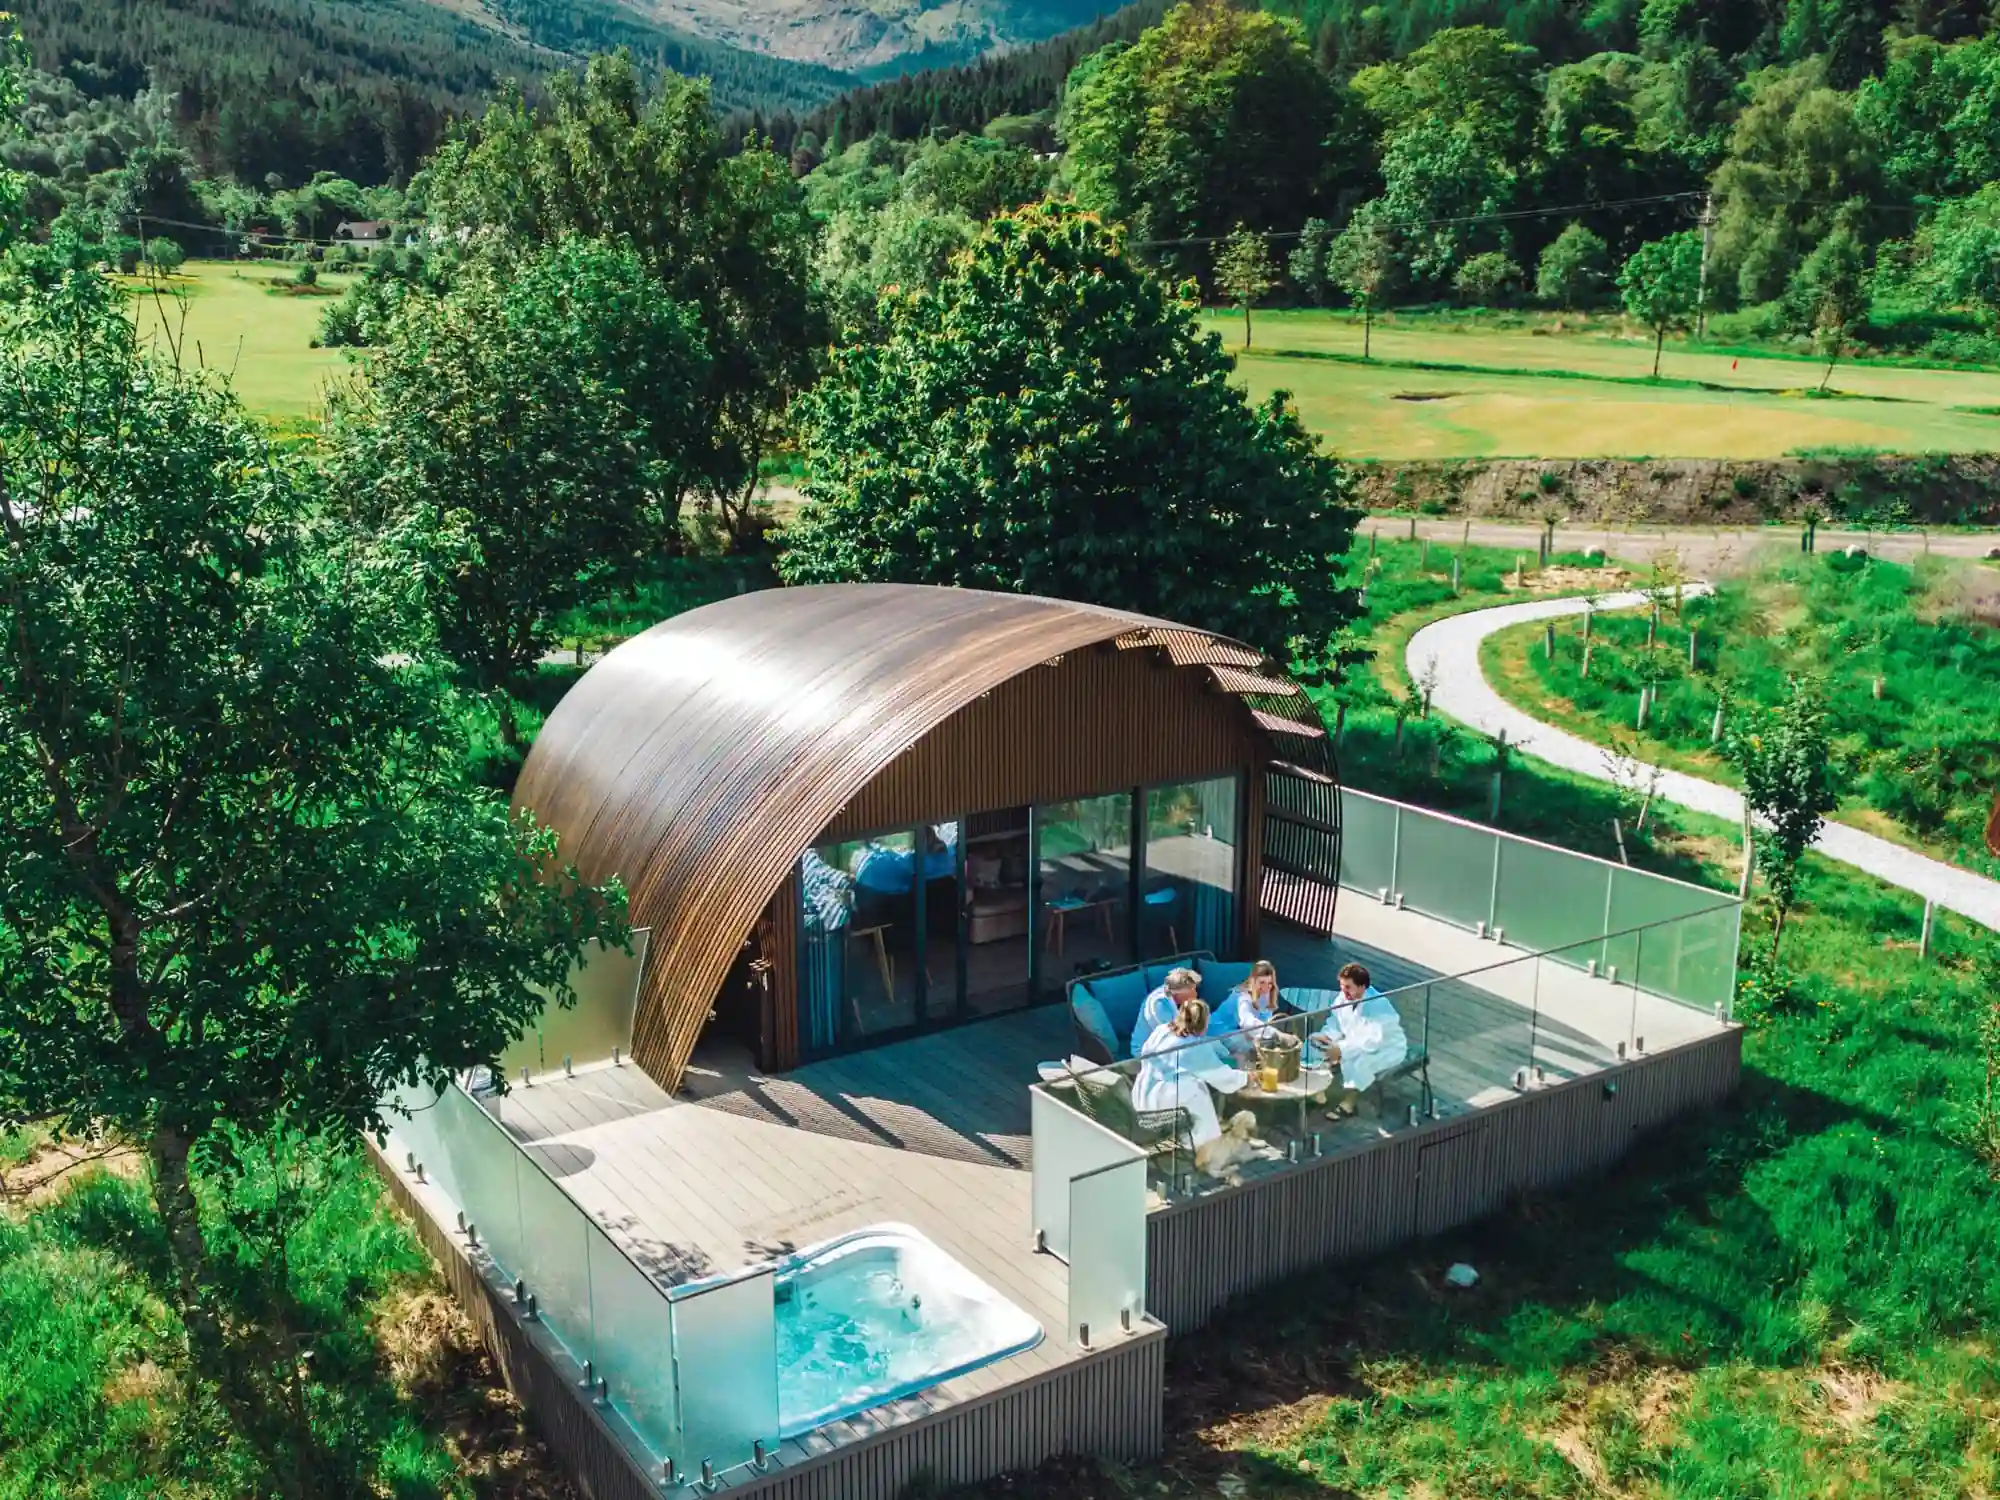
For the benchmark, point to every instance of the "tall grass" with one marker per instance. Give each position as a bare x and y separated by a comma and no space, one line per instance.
1925,753
96,1400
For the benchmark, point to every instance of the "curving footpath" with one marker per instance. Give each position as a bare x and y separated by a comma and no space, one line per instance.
1462,692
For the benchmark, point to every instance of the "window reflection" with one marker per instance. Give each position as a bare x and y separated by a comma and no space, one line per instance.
1188,895
1084,868
864,955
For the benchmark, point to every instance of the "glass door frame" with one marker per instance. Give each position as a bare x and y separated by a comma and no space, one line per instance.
925,1020
1239,856
920,916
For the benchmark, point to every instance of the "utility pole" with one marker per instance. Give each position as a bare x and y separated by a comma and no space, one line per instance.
1707,243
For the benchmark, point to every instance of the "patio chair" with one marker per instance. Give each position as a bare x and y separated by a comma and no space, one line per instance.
1164,1133
1104,1005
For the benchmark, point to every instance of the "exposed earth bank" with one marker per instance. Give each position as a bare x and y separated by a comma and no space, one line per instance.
1939,489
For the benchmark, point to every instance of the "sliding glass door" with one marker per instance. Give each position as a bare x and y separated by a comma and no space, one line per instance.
917,928
1188,888
1083,896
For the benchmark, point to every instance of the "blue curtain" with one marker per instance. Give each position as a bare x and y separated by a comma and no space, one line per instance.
1215,920
828,900
822,981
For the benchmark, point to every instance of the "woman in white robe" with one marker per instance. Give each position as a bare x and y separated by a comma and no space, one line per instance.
1179,1065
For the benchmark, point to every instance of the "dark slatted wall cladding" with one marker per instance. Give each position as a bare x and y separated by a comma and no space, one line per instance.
1301,865
1095,721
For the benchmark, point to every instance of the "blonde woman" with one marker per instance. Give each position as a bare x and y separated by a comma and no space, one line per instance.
1179,1065
1244,1018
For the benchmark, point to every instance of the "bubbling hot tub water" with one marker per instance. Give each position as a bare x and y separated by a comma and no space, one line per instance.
880,1314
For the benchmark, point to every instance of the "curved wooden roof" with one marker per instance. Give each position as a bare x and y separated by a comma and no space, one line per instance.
699,760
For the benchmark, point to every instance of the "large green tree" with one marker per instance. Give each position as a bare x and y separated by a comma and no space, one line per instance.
1573,269
1958,253
1661,284
1798,162
1933,116
247,886
1458,129
726,235
1216,117
1828,296
532,431
1050,419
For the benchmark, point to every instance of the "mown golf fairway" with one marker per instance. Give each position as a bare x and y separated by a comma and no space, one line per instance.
227,317
1392,410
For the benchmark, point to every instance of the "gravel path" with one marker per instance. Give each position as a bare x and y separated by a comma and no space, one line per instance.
1706,552
1462,692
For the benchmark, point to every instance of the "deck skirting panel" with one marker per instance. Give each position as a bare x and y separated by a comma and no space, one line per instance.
1108,1404
1203,1253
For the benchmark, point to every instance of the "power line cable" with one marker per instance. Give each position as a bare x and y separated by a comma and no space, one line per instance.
1502,216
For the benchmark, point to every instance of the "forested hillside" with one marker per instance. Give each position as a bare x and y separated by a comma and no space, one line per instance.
964,97
362,89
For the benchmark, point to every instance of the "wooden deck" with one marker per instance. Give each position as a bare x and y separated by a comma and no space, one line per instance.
962,1094
934,1133
688,1190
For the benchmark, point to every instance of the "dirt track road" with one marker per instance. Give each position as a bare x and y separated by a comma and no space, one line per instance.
1704,552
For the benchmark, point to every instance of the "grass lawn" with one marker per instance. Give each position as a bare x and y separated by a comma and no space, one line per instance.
1497,403
1790,1297
95,1403
231,317
1925,754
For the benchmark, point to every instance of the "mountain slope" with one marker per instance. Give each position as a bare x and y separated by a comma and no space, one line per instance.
875,36
251,67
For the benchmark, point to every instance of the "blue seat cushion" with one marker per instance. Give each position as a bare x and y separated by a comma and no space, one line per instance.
1090,1015
1156,975
1119,997
1218,977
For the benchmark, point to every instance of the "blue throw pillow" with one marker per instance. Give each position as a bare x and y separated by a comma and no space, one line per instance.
1218,978
1089,1012
1120,996
1156,975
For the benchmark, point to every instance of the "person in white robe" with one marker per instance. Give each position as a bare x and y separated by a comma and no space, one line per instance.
1160,1007
1178,1066
1246,1016
1364,1035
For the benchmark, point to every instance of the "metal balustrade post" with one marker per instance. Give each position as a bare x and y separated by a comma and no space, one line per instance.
1493,894
1396,853
1638,959
1610,890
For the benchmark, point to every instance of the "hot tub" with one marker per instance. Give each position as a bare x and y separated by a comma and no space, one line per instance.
880,1314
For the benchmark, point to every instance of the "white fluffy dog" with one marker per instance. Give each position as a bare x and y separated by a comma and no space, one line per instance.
1238,1143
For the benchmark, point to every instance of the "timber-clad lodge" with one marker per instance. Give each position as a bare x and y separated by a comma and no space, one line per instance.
846,1173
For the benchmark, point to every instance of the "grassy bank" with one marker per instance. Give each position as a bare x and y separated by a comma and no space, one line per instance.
96,1400
1910,671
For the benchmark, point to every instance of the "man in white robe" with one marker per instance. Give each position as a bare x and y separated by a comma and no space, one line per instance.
1364,1035
1160,1007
